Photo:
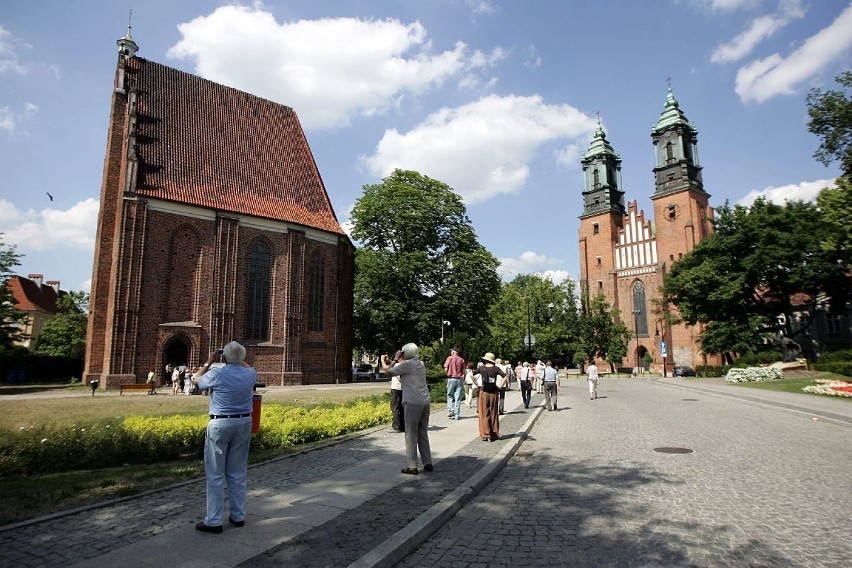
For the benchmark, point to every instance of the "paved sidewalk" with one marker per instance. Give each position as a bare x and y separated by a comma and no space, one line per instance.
344,503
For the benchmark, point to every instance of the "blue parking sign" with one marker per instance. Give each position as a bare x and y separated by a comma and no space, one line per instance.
663,349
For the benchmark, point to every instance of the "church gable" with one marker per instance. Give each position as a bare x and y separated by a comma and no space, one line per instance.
205,144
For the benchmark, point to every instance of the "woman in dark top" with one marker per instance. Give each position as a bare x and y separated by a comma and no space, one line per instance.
489,399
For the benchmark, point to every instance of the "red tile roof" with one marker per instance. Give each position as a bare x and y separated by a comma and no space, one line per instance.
30,297
205,144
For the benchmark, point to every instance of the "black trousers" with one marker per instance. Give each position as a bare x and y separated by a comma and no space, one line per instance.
398,411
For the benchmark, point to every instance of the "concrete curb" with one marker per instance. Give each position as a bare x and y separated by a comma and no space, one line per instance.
398,546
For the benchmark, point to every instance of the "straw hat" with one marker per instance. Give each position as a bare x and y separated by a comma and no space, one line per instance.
488,357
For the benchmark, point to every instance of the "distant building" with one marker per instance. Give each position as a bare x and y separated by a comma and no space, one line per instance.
214,226
37,301
624,255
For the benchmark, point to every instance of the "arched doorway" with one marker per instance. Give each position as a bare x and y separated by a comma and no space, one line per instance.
640,358
176,352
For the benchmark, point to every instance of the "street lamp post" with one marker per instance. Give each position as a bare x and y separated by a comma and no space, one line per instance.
636,330
529,340
661,344
443,323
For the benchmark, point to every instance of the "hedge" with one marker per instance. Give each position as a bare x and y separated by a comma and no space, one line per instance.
148,439
839,367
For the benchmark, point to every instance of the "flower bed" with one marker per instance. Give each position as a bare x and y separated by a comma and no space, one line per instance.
751,374
830,387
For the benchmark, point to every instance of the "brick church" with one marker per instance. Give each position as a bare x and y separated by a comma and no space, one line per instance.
214,226
625,256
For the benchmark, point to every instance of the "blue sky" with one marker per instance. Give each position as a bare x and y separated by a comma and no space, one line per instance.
496,98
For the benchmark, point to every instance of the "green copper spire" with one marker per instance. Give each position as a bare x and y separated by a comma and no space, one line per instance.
600,146
672,116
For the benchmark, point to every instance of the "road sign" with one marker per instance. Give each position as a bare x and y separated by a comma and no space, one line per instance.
663,349
529,341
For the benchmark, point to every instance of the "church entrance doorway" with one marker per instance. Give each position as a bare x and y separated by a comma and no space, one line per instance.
176,352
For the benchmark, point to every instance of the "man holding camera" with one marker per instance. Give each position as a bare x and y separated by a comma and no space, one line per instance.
226,446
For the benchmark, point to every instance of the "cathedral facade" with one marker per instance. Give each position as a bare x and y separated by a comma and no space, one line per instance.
214,225
624,256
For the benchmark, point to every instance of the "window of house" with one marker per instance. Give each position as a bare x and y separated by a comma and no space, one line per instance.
599,261
596,229
833,324
316,294
257,302
600,285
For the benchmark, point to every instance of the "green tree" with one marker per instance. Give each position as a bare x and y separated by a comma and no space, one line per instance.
831,120
10,318
420,264
65,334
602,333
739,279
836,207
532,304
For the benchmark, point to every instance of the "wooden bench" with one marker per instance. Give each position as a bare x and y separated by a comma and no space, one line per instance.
134,387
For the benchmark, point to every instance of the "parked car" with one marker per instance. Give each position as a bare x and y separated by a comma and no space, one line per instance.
364,372
684,371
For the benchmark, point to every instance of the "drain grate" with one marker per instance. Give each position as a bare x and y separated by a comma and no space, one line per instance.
524,454
690,399
667,450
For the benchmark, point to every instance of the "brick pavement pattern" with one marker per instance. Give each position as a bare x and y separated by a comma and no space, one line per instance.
763,487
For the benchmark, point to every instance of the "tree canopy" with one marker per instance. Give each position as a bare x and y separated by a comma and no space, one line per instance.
602,333
65,334
530,303
740,278
419,264
831,119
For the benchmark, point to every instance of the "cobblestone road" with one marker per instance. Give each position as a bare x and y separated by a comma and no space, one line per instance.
763,487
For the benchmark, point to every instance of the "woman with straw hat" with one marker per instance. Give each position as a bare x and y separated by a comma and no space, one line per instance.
489,399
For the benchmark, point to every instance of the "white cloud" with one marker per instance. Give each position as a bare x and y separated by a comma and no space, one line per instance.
481,149
10,119
805,191
774,75
528,263
732,5
8,57
482,7
329,70
50,229
759,30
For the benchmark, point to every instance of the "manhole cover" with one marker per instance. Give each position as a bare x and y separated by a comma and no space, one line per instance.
673,450
691,399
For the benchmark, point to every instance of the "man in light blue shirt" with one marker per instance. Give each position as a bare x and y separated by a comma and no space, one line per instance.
226,446
551,386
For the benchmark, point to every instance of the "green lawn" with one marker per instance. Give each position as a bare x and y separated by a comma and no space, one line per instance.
793,385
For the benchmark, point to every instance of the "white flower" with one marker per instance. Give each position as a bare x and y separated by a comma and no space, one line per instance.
43,440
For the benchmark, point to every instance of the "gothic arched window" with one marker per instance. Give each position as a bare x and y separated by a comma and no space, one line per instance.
669,153
316,293
257,301
596,178
640,313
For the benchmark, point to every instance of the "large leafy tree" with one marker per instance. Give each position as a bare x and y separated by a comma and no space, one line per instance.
836,207
10,318
739,279
65,334
536,305
419,264
831,120
602,333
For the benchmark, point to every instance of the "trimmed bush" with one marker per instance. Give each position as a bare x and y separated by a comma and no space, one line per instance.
842,356
839,367
144,439
759,358
704,371
752,374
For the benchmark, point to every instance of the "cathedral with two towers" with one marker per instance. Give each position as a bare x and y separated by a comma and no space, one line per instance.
624,256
